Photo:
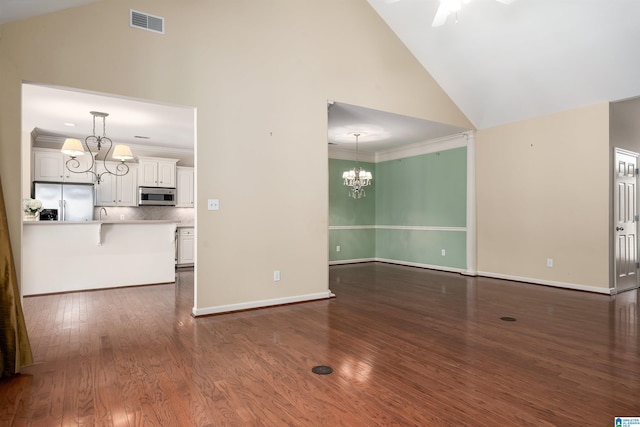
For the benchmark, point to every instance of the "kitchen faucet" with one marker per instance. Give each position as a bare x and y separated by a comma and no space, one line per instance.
100,213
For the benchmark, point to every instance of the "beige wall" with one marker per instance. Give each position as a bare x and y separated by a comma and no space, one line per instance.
543,192
624,132
259,74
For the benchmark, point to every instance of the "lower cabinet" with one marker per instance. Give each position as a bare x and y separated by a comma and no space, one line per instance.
186,249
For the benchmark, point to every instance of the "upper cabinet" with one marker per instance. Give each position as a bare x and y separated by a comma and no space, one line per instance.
157,172
117,190
184,187
50,165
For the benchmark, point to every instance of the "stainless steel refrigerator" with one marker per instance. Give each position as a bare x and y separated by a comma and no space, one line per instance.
74,202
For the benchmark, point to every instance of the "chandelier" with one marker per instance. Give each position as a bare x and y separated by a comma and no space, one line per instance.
357,178
74,148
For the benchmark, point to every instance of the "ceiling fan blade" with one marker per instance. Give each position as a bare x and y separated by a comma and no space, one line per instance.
441,16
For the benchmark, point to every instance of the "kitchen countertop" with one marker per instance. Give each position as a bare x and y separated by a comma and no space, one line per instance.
109,254
105,222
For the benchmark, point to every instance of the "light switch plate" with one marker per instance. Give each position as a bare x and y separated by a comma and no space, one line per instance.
213,204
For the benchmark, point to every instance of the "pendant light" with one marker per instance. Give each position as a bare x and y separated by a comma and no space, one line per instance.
357,178
74,148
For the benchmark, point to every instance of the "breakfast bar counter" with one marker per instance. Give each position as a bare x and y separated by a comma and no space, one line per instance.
64,256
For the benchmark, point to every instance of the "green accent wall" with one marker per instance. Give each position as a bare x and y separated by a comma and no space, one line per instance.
428,190
345,210
354,244
423,247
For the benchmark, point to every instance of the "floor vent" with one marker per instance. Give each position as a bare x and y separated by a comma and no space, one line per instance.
147,22
322,370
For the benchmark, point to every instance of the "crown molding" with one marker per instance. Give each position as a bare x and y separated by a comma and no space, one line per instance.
54,139
342,154
426,147
432,146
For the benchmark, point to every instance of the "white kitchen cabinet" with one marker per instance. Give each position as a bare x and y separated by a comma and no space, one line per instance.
117,190
184,185
50,165
157,172
186,246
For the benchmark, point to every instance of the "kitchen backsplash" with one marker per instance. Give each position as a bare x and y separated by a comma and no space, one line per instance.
146,213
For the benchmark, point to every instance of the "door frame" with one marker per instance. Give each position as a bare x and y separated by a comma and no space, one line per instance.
614,167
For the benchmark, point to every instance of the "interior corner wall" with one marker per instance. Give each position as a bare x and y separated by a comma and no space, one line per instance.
543,193
624,132
259,74
351,221
415,210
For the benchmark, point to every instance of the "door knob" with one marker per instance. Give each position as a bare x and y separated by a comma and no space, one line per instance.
619,228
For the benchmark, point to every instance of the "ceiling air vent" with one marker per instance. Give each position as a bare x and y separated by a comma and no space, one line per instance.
146,22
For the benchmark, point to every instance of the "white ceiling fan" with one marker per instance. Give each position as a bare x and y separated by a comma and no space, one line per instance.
447,7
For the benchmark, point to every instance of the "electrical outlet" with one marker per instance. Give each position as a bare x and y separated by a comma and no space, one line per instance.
213,204
276,275
444,253
121,217
338,248
549,262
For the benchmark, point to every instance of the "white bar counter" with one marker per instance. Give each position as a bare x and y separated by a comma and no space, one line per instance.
64,256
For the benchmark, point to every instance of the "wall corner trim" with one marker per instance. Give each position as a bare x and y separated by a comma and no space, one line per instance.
219,309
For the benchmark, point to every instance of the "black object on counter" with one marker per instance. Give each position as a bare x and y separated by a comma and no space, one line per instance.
49,215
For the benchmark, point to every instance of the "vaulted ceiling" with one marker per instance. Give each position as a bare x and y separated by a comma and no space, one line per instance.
504,63
499,63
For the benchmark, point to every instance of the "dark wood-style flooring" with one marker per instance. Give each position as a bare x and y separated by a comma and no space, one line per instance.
409,347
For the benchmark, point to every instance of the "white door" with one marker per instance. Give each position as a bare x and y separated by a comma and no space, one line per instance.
624,210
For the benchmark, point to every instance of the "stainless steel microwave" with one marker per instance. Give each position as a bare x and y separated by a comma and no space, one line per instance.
154,196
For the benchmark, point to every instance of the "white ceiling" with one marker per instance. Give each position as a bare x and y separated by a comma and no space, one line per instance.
168,128
380,131
499,63
504,63
15,10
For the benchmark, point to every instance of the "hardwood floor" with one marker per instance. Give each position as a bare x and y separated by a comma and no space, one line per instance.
408,347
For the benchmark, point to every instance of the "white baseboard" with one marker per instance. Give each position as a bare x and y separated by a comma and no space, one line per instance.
564,285
351,261
417,264
259,304
395,261
466,272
